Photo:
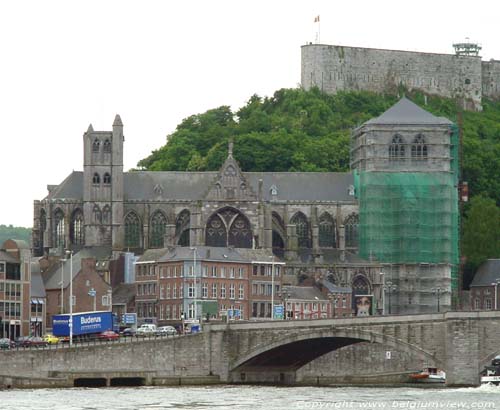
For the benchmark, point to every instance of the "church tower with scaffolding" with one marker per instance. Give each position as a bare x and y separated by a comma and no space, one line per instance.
406,171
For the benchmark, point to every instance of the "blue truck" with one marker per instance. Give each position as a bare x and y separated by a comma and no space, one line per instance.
86,325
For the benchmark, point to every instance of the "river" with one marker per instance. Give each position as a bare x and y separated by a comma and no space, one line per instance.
251,397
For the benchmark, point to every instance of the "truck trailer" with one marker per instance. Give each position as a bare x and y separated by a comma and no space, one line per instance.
86,325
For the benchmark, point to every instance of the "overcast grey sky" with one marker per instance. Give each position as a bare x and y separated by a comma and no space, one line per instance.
65,64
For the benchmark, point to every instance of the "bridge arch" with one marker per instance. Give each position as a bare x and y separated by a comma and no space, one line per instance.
320,342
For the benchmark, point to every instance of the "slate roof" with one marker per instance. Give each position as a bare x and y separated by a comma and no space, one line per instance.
52,277
408,113
304,293
213,254
124,293
487,273
7,257
291,186
37,287
333,288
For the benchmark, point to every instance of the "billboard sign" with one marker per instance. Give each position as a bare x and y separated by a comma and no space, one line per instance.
363,305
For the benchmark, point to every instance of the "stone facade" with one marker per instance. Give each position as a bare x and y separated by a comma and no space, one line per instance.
337,68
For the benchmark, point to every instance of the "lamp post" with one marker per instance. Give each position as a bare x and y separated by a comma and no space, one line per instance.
495,284
62,285
194,280
390,287
93,293
70,323
285,295
382,275
272,287
437,291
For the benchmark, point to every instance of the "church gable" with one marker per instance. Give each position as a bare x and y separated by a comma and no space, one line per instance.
230,183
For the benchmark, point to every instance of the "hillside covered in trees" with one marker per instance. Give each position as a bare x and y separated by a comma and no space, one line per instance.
14,232
297,130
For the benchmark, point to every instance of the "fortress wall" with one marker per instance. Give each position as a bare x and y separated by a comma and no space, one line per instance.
334,68
491,79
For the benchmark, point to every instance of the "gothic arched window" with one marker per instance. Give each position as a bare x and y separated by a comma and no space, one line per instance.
132,231
96,213
96,145
419,148
43,226
106,179
182,225
360,285
229,227
216,233
106,146
326,231
240,233
351,231
279,233
302,229
397,148
59,229
96,179
158,229
106,214
76,234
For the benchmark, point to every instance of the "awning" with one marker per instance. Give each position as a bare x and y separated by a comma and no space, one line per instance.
35,301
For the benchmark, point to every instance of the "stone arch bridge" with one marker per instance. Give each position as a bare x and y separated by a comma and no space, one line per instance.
272,351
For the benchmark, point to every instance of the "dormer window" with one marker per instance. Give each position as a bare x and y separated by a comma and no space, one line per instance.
96,179
106,179
96,145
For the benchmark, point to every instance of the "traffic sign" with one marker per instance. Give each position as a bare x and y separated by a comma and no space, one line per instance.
92,292
278,311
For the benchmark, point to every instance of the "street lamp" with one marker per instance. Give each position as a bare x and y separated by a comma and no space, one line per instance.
70,323
495,284
194,280
62,285
284,295
390,287
437,291
272,287
382,275
93,293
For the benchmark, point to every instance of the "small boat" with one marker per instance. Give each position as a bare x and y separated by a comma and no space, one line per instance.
491,374
429,375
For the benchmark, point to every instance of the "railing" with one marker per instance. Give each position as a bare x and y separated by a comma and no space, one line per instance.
89,342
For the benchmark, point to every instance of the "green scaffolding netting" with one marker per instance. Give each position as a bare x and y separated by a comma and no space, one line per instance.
409,217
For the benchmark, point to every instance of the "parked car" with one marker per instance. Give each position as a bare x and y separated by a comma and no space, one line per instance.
129,331
33,341
6,344
147,329
22,341
166,331
108,335
51,339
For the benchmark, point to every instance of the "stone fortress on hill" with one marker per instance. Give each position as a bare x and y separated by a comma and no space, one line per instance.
462,75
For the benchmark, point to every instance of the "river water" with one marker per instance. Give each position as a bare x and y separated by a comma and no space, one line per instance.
251,397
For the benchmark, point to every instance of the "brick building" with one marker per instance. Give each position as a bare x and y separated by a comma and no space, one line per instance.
15,282
88,274
204,282
484,287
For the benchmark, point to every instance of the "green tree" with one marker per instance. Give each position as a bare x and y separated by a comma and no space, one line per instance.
14,232
481,231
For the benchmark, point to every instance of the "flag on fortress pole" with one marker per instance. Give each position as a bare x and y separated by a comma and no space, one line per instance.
316,20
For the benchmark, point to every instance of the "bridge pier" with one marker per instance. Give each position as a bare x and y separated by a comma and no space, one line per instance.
462,352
